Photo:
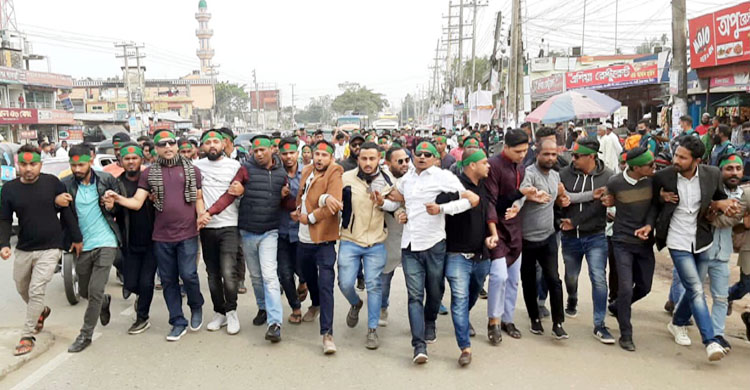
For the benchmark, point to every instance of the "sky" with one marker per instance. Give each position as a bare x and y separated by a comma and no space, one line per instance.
386,45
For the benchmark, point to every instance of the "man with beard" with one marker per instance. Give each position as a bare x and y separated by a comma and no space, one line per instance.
219,235
239,154
722,144
702,128
262,184
318,204
101,238
362,235
31,196
355,142
175,186
118,140
687,192
631,193
136,227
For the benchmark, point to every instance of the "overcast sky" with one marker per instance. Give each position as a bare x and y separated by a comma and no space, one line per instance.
386,45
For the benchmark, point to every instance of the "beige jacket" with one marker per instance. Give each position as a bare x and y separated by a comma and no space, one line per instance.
362,221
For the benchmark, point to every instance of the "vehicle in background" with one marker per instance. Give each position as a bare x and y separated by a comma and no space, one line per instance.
385,124
352,121
244,139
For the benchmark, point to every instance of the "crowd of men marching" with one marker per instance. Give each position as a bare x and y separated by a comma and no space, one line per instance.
296,211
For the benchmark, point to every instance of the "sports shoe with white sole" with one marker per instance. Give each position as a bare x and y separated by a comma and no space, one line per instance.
715,352
233,322
680,334
219,321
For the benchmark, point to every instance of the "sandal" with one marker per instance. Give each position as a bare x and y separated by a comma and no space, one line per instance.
302,292
295,318
40,322
24,346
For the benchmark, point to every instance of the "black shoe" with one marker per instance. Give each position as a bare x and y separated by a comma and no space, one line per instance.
626,343
273,334
570,308
139,326
612,307
472,332
602,334
543,312
352,318
430,334
483,293
511,330
724,343
125,293
536,327
361,284
79,344
260,318
494,334
559,332
420,355
669,307
104,314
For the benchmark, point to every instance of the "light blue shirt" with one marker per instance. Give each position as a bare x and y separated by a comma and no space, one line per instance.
94,227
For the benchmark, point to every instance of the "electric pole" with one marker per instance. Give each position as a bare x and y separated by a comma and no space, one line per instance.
494,61
141,79
448,56
125,46
293,121
460,43
583,32
515,85
257,102
474,47
679,58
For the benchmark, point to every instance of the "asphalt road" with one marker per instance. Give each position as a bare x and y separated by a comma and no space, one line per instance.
215,360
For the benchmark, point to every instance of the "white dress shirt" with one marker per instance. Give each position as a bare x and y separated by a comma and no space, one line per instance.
682,227
422,230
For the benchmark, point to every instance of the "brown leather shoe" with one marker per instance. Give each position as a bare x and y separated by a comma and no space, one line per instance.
465,359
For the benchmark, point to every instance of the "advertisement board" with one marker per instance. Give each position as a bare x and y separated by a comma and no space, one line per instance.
614,76
18,116
721,37
547,86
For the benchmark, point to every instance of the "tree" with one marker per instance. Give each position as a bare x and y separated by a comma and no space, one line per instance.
317,111
358,98
231,101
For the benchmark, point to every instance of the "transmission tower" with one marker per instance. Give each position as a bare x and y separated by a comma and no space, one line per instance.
8,16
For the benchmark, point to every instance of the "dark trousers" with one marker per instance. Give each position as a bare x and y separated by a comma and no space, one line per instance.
318,261
177,260
612,270
543,253
220,255
286,253
635,272
138,270
424,272
240,269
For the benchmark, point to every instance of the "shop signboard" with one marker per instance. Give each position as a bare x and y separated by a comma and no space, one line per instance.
542,64
70,133
614,76
28,77
547,86
18,116
27,134
12,75
721,37
55,117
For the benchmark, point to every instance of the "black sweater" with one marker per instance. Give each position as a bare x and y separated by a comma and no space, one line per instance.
34,205
465,232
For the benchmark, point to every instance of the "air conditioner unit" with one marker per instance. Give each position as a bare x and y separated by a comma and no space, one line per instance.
575,51
658,49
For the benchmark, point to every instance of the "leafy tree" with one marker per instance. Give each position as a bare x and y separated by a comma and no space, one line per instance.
231,100
358,98
317,111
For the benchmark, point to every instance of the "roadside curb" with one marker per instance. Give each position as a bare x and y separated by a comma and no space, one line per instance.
9,338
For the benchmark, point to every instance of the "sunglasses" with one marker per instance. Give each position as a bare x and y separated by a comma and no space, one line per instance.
403,161
164,144
424,154
577,156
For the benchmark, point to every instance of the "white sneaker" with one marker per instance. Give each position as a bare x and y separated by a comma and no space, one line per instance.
680,334
715,352
233,322
383,321
217,322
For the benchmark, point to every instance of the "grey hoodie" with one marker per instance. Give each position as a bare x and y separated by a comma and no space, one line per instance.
589,217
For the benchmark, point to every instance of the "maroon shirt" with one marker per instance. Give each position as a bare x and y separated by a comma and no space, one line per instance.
178,220
502,186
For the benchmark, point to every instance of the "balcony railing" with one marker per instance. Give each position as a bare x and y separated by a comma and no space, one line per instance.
204,32
36,105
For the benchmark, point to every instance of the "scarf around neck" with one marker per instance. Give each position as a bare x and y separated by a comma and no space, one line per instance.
156,180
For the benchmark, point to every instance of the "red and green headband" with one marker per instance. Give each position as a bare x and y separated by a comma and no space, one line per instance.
261,142
440,139
581,149
288,147
382,140
730,159
81,158
471,143
425,146
131,149
29,157
642,159
474,157
186,146
162,135
276,141
324,147
212,134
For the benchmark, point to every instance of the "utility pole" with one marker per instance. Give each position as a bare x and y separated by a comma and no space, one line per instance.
141,78
125,46
679,57
257,102
494,61
617,6
448,57
583,32
293,121
434,91
474,47
515,85
460,43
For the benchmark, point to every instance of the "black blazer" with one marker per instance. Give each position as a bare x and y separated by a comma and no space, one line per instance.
711,189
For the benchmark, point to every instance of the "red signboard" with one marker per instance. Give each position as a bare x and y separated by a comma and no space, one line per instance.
269,100
18,116
548,86
614,76
721,37
30,77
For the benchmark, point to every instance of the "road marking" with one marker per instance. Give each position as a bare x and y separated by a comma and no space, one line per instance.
46,369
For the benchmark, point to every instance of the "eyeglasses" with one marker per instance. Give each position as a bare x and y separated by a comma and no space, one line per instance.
577,156
424,154
403,161
169,142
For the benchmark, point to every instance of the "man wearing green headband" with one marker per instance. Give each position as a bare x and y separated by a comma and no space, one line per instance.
234,153
31,196
423,240
441,144
632,237
101,238
118,140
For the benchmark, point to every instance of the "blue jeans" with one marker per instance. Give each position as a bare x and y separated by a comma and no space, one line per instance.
351,256
424,273
739,289
260,256
465,277
675,289
594,247
693,301
178,260
718,276
385,282
317,265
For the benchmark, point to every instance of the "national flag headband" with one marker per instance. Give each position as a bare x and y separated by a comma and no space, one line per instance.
474,157
471,142
29,157
131,149
277,141
81,158
322,146
623,157
212,134
370,138
383,140
730,159
162,135
440,139
116,144
261,142
288,147
425,146
581,149
642,159
186,145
